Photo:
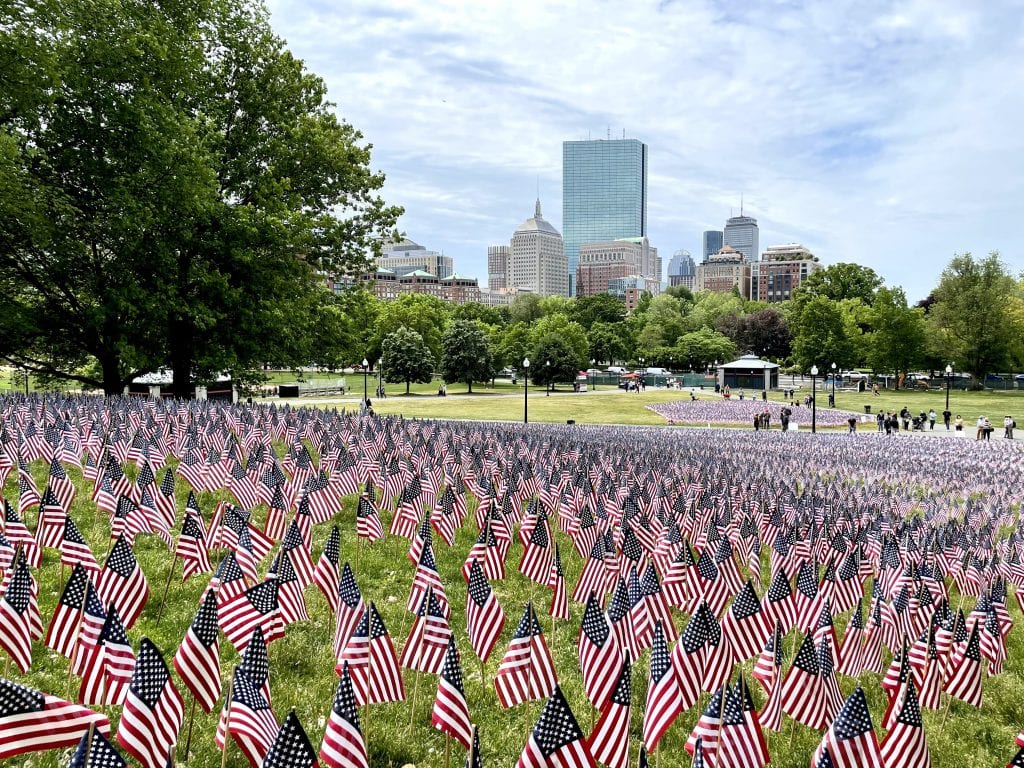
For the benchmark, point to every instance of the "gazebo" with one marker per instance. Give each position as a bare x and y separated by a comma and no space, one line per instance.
748,372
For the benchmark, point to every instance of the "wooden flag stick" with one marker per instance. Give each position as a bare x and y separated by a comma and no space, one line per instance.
88,743
483,676
472,748
227,723
78,633
447,750
191,719
167,584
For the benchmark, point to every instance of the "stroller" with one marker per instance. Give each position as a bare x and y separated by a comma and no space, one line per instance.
919,422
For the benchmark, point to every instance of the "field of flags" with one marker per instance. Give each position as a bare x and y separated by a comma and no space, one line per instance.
217,585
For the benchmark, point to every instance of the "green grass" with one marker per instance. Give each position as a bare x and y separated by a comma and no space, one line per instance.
302,664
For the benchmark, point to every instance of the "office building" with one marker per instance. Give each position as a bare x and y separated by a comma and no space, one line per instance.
600,263
780,271
629,289
741,234
536,258
604,194
724,272
711,243
407,256
497,267
682,270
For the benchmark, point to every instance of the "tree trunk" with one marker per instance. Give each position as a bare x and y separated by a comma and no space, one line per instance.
407,381
470,383
112,383
181,353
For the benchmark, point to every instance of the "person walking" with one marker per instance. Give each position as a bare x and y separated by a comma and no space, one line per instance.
931,418
1008,425
958,423
946,415
981,428
880,418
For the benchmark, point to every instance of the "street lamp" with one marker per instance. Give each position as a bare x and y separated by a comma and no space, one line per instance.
592,362
366,364
833,385
547,375
526,381
380,379
642,371
814,399
949,381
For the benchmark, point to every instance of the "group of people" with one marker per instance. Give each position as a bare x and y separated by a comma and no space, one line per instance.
763,420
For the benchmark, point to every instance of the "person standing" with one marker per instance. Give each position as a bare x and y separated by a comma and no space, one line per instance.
946,415
958,423
931,418
880,418
981,428
1008,425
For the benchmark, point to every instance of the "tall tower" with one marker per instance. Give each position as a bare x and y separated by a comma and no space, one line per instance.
536,258
741,234
711,243
604,194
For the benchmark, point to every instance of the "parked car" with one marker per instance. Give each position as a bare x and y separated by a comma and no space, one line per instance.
616,369
655,371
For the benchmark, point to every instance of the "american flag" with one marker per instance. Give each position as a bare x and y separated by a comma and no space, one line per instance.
802,695
326,573
556,740
192,547
350,609
50,523
664,704
291,601
384,678
60,484
753,720
537,555
198,658
850,740
32,721
247,718
291,748
296,550
738,743
426,576
153,710
368,525
122,582
74,549
609,741
599,654
707,731
95,751
343,745
17,533
427,643
527,672
78,616
108,665
450,714
746,624
485,618
164,498
255,607
905,746
964,679
256,664
19,615
556,581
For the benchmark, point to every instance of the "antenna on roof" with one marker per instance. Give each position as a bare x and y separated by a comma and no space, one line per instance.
741,203
623,133
609,132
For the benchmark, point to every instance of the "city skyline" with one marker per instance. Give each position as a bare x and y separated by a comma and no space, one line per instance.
878,133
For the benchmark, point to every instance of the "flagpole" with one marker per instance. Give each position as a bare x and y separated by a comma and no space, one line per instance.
88,743
419,655
447,750
167,585
191,719
227,723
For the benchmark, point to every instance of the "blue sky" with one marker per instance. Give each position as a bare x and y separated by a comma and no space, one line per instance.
884,133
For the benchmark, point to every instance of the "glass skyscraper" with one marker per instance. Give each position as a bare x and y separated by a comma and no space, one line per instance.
741,234
712,242
604,194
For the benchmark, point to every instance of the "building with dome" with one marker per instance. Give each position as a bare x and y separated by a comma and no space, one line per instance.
535,260
724,272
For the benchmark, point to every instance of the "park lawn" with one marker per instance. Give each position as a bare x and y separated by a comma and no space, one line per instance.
302,674
970,405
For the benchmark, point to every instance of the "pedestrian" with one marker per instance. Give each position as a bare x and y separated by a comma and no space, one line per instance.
931,418
1008,425
905,416
757,422
764,395
880,418
946,415
981,428
852,421
958,423
988,429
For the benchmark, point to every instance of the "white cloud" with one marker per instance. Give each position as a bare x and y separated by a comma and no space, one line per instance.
871,131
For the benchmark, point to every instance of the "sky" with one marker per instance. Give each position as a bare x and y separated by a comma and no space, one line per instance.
883,133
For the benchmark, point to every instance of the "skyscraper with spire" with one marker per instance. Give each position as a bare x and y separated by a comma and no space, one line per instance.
604,194
741,234
534,260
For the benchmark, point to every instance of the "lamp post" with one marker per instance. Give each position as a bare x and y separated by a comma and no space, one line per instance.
366,364
833,385
547,375
641,379
814,399
592,362
380,380
526,383
949,381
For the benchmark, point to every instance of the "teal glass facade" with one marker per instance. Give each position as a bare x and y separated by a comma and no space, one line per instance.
604,194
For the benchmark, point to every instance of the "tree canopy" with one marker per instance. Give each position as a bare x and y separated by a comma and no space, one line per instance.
466,354
174,185
406,357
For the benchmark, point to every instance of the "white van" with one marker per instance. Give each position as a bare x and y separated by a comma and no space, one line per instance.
656,371
616,369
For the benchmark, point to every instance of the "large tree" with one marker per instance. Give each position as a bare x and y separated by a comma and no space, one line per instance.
466,354
406,357
174,186
897,343
823,336
554,360
840,281
420,312
971,319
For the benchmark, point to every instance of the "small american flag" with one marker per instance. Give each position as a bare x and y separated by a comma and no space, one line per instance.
31,721
905,745
450,714
153,710
485,618
850,740
350,609
192,548
343,745
664,704
108,665
95,751
291,748
599,654
247,718
609,742
556,740
198,659
19,614
122,583
527,672
326,573
255,607
428,639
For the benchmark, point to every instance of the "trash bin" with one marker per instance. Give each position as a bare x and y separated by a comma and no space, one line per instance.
288,390
570,422
867,408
